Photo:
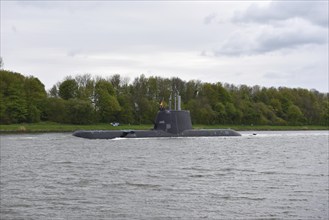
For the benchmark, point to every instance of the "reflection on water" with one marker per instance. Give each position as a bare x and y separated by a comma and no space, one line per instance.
268,175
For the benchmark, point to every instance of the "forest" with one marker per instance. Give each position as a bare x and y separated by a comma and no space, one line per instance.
87,99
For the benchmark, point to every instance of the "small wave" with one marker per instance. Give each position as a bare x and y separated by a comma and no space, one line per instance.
228,169
269,172
303,191
243,197
18,137
113,185
297,200
273,187
290,174
196,169
84,183
21,206
221,174
198,176
267,134
251,198
49,187
227,197
63,162
142,185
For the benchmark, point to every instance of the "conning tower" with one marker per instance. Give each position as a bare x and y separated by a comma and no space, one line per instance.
173,121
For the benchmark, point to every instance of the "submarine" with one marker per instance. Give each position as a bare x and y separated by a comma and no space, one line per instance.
168,123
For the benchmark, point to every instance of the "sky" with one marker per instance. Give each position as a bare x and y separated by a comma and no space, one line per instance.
265,43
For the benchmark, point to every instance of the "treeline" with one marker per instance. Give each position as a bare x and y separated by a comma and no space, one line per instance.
85,99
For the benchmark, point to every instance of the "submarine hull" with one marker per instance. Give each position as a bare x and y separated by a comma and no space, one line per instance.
110,134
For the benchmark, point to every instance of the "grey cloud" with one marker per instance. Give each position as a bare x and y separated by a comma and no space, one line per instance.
14,29
313,11
208,19
291,39
277,75
73,53
111,36
62,5
263,39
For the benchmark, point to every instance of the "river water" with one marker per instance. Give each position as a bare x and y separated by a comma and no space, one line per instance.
272,175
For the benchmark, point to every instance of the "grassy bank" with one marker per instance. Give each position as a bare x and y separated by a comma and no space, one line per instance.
56,127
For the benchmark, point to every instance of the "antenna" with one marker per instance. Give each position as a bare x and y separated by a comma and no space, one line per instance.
170,102
175,101
179,102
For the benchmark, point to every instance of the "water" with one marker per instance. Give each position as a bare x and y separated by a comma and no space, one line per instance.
276,175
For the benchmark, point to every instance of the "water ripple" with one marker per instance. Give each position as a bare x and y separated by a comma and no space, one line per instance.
264,176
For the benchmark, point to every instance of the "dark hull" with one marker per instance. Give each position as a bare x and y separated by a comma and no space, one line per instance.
109,134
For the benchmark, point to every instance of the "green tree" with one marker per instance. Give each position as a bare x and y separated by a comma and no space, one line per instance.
220,111
35,95
15,110
53,92
126,114
1,63
86,86
295,115
21,98
325,113
232,114
68,89
79,112
106,103
55,110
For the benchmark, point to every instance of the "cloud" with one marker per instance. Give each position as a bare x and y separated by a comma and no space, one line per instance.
276,75
57,38
208,19
266,39
14,29
280,26
315,12
290,36
73,53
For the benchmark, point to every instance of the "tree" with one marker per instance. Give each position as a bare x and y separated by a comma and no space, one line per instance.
219,109
126,114
1,63
207,115
53,92
35,94
55,109
85,99
192,89
79,112
86,86
116,81
209,92
106,103
325,113
68,89
232,114
15,110
21,98
295,115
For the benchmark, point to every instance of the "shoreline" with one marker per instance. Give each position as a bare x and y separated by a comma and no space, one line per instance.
49,127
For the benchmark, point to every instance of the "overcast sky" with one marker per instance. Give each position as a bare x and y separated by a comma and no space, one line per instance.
266,43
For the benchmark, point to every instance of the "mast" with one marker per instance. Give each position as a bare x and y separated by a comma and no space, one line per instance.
170,102
177,101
